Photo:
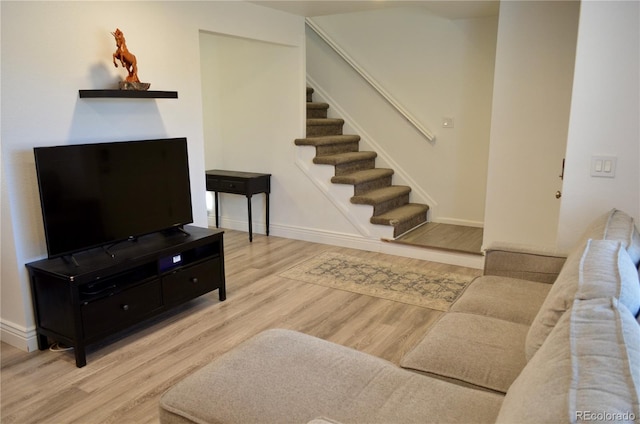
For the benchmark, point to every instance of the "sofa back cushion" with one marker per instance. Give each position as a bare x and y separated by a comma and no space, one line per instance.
587,370
603,269
614,225
621,227
606,270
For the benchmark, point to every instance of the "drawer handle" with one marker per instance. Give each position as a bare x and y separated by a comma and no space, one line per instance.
125,307
194,280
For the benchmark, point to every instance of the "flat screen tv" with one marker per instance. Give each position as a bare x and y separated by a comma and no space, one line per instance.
96,194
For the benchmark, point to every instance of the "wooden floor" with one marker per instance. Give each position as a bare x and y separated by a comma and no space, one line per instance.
455,238
124,377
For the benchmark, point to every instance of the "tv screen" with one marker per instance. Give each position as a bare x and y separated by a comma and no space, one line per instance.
95,194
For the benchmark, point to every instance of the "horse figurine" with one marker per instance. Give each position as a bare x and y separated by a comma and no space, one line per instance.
127,59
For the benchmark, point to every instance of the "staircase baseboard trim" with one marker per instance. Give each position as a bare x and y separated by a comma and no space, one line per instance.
353,241
18,336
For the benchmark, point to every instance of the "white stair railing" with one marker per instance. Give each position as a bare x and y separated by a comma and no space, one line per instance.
404,112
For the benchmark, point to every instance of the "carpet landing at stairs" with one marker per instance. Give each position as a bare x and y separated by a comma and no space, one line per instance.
371,186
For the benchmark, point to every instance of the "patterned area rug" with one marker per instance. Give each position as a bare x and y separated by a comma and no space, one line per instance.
415,286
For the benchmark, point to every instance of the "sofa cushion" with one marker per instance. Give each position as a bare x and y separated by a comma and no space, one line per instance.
590,364
506,298
621,227
604,269
473,349
281,376
618,226
524,262
618,278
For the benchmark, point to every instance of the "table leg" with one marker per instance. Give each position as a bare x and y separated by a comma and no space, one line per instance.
267,213
215,198
222,292
80,354
249,209
43,342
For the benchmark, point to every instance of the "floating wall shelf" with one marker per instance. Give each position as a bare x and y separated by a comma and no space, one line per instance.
128,94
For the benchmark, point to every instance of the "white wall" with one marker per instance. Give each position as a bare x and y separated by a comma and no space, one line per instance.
531,101
435,68
52,49
605,111
253,111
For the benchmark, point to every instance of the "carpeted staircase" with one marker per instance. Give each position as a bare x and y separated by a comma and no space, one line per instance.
371,185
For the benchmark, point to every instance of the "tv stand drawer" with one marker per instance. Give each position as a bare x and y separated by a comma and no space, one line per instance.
190,282
122,309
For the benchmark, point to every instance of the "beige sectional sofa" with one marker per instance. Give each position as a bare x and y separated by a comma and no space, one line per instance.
540,337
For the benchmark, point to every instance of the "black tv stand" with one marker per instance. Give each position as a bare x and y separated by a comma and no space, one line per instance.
109,249
180,229
95,296
70,259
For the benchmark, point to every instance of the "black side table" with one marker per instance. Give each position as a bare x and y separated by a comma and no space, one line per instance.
237,182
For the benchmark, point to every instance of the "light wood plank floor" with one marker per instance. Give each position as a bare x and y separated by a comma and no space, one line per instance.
124,377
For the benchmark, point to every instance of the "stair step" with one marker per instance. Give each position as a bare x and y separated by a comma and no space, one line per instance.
381,195
317,105
404,218
342,158
363,176
327,140
317,110
324,121
317,127
346,163
384,199
366,180
331,144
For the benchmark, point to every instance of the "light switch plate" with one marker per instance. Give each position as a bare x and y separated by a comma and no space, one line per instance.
603,166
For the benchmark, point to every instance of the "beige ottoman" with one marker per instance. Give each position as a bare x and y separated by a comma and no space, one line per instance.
282,376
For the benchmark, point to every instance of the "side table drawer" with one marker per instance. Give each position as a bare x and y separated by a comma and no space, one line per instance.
120,310
226,186
190,282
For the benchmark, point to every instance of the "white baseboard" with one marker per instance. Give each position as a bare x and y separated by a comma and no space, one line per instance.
463,222
18,336
356,242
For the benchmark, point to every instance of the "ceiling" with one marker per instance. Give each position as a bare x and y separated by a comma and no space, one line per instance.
451,9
